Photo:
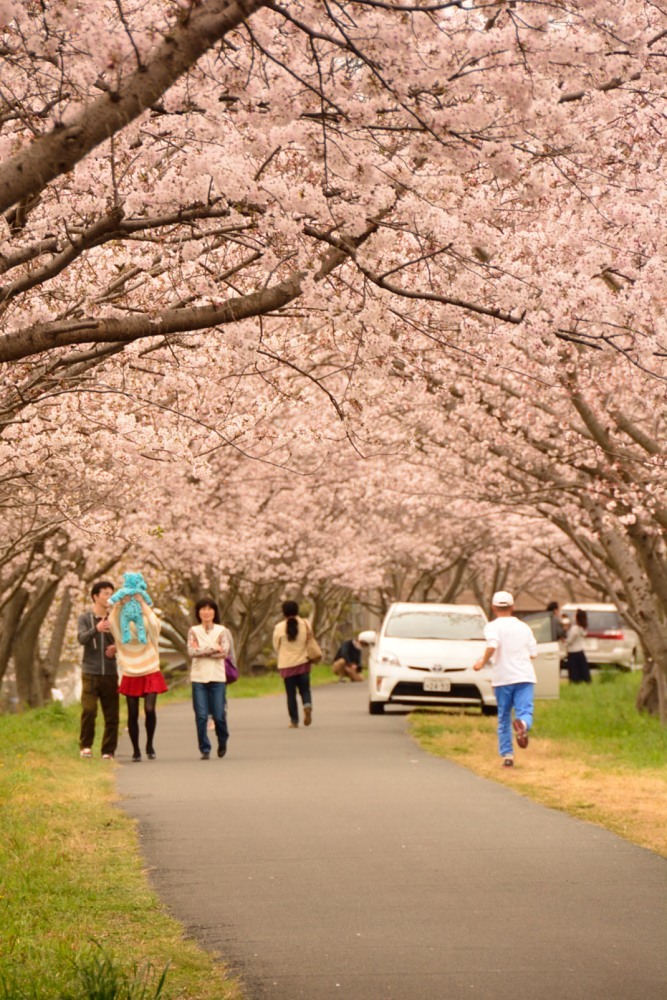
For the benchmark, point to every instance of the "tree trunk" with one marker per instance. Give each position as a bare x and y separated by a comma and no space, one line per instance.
9,620
251,615
248,609
25,649
638,586
27,670
652,696
49,665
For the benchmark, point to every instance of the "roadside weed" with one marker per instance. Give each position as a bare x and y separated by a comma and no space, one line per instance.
99,976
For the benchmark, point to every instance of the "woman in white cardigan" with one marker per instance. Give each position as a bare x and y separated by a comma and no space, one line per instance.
209,643
578,670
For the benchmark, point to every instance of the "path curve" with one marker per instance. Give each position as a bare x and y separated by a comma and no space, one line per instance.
341,861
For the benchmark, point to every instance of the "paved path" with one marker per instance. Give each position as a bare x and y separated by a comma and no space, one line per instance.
342,862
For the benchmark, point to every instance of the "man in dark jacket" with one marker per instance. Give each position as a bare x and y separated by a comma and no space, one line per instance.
99,677
347,662
557,629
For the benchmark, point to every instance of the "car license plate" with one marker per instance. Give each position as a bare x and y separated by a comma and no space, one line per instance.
441,684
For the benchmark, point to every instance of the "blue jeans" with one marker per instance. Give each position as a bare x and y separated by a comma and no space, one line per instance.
520,698
209,699
300,683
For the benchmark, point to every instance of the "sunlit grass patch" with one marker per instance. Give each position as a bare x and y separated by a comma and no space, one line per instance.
74,900
603,716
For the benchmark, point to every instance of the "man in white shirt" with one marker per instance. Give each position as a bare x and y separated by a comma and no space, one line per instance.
511,645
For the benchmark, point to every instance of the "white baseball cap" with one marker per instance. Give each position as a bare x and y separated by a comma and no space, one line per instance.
502,599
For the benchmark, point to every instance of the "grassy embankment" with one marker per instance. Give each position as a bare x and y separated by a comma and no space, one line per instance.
78,920
591,754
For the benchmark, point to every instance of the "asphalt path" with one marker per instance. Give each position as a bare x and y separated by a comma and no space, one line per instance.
341,861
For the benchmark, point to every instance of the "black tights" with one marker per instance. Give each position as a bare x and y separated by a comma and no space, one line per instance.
133,720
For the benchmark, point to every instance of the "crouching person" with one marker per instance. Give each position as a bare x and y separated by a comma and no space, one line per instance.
347,662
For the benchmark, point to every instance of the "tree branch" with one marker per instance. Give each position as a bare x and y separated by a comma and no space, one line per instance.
47,336
58,151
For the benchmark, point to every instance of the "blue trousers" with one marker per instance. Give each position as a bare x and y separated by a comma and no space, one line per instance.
300,683
520,698
209,699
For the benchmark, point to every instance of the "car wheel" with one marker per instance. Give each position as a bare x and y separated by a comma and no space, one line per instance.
376,707
489,709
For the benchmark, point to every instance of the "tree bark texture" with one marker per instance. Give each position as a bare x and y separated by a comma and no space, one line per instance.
58,151
25,649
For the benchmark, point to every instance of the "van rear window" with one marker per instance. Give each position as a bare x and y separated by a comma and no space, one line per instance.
603,621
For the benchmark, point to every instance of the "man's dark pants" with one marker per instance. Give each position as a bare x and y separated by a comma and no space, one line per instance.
104,688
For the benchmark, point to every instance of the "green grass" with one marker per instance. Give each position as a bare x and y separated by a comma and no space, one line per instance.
601,718
79,921
598,721
272,683
252,687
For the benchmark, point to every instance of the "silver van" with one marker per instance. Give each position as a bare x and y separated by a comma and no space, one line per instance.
608,638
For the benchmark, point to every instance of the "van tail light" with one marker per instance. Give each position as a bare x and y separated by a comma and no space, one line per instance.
605,634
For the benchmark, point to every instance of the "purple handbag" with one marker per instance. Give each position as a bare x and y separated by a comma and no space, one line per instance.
231,670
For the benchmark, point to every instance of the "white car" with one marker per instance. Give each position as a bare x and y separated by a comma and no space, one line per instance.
424,654
608,639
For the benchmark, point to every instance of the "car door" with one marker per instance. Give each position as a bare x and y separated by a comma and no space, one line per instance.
547,661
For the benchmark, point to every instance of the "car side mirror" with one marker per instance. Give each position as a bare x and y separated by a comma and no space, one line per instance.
368,637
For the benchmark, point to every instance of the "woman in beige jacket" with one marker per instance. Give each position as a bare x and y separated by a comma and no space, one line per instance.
290,640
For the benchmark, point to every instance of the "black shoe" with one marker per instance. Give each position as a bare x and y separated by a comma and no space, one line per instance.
222,750
151,753
205,755
136,756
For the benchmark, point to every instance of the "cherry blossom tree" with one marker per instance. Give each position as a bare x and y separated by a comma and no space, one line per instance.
171,167
399,244
585,451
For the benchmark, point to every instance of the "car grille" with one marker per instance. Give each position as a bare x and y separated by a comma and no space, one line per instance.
438,673
412,689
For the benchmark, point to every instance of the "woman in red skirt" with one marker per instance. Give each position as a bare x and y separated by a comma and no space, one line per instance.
139,669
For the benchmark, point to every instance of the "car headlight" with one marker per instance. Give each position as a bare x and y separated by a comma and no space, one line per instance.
389,660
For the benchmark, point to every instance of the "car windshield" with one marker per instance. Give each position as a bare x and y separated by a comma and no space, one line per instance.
435,625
